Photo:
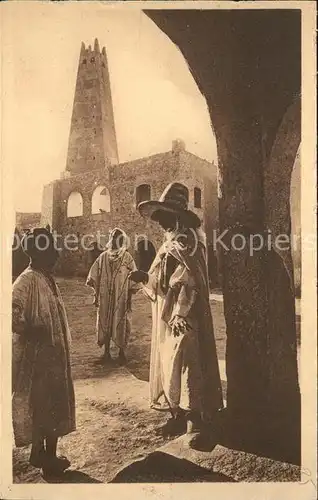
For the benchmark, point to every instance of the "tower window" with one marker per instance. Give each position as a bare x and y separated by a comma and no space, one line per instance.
143,193
75,205
84,61
197,198
100,200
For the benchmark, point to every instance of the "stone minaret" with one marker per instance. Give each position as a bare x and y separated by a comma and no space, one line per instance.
92,141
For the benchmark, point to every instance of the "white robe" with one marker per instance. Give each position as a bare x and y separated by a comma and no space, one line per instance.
184,371
108,276
43,398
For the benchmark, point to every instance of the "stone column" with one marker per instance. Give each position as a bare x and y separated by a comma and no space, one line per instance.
247,65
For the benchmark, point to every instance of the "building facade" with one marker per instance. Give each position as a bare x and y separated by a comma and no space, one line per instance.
25,221
97,193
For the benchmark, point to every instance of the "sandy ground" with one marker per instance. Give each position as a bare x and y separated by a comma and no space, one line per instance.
114,423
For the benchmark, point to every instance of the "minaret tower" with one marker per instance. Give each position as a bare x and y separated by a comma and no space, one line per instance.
92,141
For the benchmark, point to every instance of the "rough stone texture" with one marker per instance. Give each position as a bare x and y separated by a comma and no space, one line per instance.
93,161
177,462
247,65
92,142
122,181
278,180
27,220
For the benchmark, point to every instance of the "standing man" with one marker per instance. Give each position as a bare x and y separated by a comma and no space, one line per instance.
184,372
109,277
43,405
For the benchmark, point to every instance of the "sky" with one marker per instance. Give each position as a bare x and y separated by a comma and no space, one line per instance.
155,98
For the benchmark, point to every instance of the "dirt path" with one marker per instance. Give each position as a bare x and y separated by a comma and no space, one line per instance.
82,317
114,423
114,427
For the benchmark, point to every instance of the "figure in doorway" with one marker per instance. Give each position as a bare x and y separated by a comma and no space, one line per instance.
184,372
109,278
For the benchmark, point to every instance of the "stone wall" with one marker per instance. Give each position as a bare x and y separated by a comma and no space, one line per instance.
27,220
205,176
50,205
122,181
74,259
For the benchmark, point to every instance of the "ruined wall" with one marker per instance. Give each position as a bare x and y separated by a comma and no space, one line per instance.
122,182
92,161
157,171
27,220
74,258
203,174
50,209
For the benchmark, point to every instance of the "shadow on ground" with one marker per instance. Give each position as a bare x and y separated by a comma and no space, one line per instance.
161,467
275,439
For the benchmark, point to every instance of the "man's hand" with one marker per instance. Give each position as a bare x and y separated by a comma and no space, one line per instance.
179,326
139,276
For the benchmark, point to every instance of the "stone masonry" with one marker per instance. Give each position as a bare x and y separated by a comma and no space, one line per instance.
92,162
92,141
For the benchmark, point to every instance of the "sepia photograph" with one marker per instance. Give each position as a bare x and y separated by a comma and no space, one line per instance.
158,247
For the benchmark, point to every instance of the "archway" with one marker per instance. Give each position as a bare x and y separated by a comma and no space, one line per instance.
100,200
146,253
248,115
278,181
75,205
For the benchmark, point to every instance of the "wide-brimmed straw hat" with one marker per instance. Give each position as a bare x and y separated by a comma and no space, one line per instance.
38,241
175,200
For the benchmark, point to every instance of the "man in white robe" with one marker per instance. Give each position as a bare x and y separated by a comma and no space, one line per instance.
184,372
109,277
43,404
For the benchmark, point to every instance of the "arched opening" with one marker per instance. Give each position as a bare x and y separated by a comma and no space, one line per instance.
75,205
146,253
197,197
280,173
143,193
260,330
100,200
